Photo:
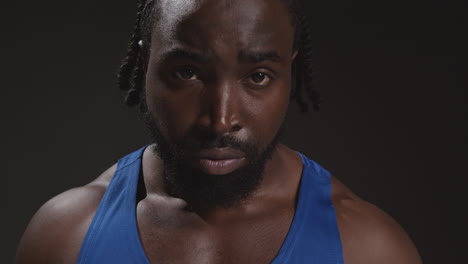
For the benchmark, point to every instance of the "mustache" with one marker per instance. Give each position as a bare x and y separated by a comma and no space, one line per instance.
225,141
195,144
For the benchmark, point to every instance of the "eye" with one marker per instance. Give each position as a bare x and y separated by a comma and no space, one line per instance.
260,79
186,74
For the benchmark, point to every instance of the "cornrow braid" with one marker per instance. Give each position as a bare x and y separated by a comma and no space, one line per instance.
131,73
305,62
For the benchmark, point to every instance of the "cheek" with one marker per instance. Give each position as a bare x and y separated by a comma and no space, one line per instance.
174,110
267,113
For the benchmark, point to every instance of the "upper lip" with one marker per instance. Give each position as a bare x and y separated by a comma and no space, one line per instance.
220,154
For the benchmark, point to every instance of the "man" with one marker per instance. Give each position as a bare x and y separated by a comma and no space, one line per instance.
213,79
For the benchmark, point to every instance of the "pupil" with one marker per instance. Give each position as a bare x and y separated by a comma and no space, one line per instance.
258,77
187,74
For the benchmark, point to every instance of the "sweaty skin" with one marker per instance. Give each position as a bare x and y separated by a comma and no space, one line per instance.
217,90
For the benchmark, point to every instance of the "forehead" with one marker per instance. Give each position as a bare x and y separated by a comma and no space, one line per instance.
206,24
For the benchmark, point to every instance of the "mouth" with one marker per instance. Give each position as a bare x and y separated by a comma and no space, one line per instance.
219,161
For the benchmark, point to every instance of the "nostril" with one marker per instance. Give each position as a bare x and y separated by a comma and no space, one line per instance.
236,128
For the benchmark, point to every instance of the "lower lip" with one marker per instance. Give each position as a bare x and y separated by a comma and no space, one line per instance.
219,167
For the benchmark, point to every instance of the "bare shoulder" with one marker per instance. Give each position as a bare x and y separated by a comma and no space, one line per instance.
55,233
368,234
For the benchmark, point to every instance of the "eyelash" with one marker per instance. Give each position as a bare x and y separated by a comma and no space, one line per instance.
177,73
265,75
179,70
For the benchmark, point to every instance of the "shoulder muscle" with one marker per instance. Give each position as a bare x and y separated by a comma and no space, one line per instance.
368,234
55,233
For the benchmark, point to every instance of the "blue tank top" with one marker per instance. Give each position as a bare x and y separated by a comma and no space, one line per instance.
313,236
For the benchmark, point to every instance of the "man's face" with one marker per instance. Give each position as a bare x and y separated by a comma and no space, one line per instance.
217,90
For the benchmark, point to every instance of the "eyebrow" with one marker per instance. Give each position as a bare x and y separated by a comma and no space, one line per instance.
180,53
246,56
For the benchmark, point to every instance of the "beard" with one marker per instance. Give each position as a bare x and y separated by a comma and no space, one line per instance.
202,191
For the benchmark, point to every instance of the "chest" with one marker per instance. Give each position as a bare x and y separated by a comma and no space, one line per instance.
177,238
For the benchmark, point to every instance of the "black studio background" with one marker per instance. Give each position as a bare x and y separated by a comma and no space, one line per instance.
393,126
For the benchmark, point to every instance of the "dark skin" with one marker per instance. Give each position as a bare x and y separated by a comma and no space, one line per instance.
222,93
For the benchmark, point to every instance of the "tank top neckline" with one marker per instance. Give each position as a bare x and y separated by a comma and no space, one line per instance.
288,242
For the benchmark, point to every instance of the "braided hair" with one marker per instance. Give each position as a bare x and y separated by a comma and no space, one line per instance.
131,72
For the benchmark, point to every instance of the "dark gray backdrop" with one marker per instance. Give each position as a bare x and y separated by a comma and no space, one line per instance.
393,126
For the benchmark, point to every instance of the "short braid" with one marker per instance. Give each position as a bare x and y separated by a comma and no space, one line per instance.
307,63
130,73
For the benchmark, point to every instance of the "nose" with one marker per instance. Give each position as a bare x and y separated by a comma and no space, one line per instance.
221,108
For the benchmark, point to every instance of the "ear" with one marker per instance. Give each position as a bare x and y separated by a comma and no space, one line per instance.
294,55
143,54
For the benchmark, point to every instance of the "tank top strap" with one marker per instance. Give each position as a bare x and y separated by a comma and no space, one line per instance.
313,236
113,234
